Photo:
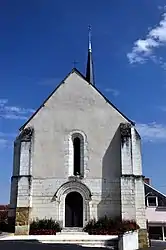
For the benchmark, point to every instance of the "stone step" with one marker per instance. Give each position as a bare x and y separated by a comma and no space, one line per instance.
71,229
71,233
110,242
85,243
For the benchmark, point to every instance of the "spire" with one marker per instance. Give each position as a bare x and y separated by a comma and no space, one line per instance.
89,69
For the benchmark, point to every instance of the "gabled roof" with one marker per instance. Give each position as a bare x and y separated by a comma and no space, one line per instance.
155,190
62,82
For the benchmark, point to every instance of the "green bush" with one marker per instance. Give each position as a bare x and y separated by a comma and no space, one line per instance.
110,226
45,224
4,220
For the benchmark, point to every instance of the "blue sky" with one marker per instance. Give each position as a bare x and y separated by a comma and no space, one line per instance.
41,39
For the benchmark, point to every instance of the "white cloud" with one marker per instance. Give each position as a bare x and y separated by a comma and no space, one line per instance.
3,143
162,8
17,109
114,92
13,112
6,139
162,108
3,101
152,132
143,49
2,134
13,117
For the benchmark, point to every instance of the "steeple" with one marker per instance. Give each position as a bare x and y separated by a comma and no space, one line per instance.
89,69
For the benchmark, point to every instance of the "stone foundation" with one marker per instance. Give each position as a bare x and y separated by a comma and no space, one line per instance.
143,239
22,221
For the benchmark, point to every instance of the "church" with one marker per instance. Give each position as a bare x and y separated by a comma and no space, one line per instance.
77,158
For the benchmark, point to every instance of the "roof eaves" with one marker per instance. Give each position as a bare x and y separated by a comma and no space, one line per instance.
82,76
154,189
42,105
107,100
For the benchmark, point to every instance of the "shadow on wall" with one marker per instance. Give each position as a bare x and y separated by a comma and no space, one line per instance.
36,245
111,172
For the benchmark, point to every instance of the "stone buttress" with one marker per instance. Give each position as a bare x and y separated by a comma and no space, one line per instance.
132,181
21,188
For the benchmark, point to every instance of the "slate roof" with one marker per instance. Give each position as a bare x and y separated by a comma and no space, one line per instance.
149,188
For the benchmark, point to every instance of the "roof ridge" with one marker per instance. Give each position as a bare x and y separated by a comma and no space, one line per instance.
155,189
75,70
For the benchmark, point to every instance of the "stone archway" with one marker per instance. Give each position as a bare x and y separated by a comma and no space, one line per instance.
74,210
66,189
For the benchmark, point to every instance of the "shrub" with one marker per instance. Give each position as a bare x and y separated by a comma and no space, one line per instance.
90,226
127,225
44,226
4,214
42,232
4,218
110,226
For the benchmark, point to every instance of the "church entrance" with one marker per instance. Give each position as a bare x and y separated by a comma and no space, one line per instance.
74,210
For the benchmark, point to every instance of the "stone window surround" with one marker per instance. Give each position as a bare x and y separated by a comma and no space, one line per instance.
64,190
83,139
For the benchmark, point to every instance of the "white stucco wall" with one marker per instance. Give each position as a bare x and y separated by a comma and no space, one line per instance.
156,215
129,241
77,106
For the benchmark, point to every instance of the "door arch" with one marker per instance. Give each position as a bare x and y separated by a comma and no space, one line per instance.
74,210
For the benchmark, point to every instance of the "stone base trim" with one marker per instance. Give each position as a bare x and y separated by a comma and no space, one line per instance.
22,230
143,239
22,221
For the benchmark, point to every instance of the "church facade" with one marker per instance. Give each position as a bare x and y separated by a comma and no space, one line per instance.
77,158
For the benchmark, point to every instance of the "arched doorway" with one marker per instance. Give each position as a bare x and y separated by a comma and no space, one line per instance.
74,210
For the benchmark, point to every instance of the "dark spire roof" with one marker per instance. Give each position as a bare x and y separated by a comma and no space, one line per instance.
89,69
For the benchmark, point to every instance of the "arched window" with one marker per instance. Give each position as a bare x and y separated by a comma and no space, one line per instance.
77,155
